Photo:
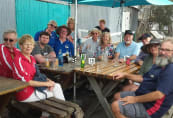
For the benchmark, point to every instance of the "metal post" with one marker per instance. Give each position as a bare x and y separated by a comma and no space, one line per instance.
121,25
75,49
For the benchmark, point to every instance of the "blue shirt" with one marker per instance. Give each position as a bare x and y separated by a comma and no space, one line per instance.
67,46
160,79
52,39
124,50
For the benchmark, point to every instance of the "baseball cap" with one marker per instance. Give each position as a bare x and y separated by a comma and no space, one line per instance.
129,32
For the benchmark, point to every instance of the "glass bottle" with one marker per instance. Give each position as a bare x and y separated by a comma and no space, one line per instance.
60,58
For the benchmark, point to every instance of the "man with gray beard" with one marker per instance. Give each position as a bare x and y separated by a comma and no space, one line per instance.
155,95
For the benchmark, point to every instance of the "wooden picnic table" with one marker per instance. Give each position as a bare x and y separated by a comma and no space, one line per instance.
63,75
7,87
65,69
104,71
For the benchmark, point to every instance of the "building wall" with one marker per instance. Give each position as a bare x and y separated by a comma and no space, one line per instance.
89,16
7,16
30,16
33,15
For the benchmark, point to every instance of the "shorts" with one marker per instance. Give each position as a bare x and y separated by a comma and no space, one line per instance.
136,110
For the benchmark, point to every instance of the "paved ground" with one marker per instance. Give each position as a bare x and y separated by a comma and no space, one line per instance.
85,98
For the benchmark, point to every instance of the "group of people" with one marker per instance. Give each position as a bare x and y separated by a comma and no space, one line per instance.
21,65
149,93
153,97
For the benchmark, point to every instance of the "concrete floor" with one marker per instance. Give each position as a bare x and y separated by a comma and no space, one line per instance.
85,98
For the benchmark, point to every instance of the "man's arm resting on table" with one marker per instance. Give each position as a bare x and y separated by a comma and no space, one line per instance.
134,77
39,58
133,57
52,54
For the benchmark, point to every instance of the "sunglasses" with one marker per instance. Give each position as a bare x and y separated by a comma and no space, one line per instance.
53,26
6,40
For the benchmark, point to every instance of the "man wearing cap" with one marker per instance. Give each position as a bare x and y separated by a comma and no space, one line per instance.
127,48
102,27
154,96
145,38
91,44
62,43
42,50
51,26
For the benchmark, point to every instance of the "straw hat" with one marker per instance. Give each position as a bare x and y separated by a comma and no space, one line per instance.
63,26
93,31
145,48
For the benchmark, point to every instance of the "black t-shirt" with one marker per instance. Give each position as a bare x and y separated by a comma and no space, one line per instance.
104,30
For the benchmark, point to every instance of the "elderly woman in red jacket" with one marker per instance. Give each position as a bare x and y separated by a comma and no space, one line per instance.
25,70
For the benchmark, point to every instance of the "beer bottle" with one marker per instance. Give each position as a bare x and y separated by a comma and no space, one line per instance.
82,61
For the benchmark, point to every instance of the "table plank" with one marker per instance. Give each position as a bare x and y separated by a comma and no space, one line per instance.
9,85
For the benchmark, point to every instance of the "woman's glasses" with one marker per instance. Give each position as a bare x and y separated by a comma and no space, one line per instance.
6,40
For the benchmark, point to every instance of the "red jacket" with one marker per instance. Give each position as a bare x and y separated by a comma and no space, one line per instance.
6,60
24,71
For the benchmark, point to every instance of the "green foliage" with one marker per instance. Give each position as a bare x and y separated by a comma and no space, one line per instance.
163,15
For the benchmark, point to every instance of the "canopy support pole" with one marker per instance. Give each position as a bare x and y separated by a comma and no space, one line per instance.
75,49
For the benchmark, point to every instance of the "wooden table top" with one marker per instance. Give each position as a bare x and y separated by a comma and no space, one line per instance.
8,85
107,70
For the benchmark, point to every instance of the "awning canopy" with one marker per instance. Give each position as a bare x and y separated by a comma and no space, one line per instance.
115,3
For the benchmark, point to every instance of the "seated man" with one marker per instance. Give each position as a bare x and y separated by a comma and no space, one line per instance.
145,38
42,50
51,26
7,53
92,43
62,44
154,96
127,48
102,27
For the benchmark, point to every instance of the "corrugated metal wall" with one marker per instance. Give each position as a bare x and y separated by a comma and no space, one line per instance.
89,16
7,16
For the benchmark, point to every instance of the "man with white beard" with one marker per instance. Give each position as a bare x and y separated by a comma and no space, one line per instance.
155,95
127,48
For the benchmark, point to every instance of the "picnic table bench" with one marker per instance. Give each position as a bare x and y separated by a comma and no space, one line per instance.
56,107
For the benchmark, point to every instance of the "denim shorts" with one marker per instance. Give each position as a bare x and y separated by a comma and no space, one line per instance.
136,110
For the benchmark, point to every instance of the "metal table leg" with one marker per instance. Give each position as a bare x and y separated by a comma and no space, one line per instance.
106,91
74,87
